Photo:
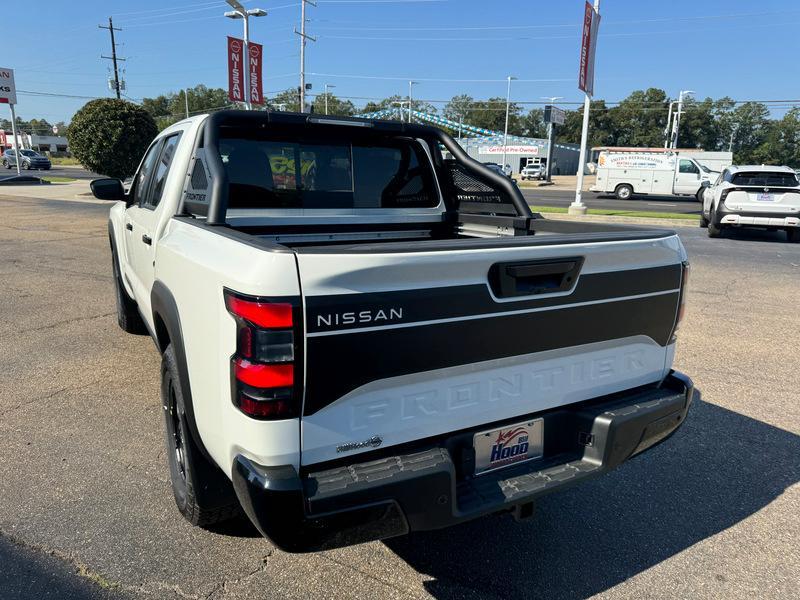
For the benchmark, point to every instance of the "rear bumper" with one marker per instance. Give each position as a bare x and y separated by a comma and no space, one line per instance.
433,487
757,219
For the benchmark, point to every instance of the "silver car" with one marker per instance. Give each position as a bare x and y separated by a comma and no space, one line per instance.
29,160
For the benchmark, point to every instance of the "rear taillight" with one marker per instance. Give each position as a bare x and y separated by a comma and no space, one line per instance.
263,370
682,300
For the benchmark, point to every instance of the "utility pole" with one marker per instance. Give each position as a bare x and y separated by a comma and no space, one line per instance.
505,131
186,101
303,38
113,58
410,101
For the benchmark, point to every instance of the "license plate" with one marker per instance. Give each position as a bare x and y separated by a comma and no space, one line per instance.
765,197
506,446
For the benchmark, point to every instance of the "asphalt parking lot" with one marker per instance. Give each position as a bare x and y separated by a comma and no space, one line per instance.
86,509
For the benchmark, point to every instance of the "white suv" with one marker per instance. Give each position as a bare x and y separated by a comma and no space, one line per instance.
532,171
753,196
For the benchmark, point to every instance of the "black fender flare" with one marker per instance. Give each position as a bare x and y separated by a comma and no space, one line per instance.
167,324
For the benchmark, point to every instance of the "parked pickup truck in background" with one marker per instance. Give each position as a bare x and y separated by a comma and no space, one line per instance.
361,339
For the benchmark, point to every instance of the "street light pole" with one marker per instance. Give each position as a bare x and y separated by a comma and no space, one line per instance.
240,12
578,207
505,131
551,138
327,85
410,95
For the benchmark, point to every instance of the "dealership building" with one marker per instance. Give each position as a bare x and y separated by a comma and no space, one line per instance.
520,151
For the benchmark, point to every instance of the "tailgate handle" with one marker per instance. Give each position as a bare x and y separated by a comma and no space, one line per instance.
534,277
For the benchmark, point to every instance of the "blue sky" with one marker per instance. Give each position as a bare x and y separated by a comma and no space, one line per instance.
739,48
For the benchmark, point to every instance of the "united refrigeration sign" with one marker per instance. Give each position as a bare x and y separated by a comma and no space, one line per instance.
8,91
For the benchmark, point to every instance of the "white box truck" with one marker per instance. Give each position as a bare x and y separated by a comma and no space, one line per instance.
655,172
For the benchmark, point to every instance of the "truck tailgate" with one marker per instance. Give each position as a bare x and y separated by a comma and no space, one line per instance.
407,344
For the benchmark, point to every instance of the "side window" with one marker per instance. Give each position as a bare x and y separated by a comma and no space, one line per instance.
688,166
140,183
161,171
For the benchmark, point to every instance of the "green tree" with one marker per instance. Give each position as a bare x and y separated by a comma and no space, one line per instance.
602,129
750,121
286,100
109,136
336,106
533,124
640,119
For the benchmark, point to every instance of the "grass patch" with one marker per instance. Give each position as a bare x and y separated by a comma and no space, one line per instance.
59,179
618,213
64,160
96,578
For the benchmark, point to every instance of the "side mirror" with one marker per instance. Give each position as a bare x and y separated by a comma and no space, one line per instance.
108,189
706,184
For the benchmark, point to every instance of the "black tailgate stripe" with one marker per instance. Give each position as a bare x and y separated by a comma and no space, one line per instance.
466,300
338,364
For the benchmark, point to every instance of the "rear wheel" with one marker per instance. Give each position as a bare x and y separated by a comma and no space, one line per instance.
714,228
203,493
623,192
793,235
703,221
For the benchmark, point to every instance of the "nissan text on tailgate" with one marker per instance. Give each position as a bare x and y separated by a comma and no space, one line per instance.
362,339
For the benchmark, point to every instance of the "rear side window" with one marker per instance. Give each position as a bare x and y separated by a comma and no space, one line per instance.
765,179
309,174
140,183
161,171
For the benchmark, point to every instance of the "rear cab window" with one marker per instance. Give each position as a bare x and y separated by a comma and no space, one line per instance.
313,173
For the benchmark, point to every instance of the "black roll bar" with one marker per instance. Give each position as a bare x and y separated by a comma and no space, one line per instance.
218,204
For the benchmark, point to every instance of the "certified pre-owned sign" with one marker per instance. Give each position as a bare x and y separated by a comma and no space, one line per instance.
8,93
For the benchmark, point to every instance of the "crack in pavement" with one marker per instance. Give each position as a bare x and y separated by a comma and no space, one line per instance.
224,586
50,395
66,322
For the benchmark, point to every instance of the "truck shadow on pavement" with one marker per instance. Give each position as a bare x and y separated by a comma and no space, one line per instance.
718,469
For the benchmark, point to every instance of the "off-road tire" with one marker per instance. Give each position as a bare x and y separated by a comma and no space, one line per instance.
623,192
128,317
203,493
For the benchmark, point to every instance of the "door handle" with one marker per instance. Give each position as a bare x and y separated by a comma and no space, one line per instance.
534,277
147,239
129,226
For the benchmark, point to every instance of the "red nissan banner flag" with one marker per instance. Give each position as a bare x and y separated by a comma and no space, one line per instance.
256,52
591,21
236,69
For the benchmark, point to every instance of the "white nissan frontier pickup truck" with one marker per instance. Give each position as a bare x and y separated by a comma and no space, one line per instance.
361,339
